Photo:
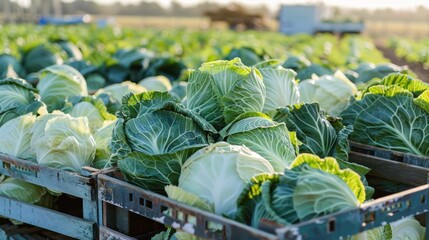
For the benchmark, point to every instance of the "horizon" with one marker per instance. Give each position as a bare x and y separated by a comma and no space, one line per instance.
275,4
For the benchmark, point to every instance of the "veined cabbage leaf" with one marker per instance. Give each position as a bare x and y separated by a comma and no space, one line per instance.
153,137
300,194
17,97
281,87
225,170
391,117
16,136
221,90
58,82
62,141
262,135
91,107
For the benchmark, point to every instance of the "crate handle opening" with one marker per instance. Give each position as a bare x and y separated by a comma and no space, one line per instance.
149,204
369,218
165,209
398,157
422,199
211,226
141,201
331,225
6,165
131,197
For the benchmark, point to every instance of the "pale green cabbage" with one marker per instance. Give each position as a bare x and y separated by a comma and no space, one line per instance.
333,93
58,82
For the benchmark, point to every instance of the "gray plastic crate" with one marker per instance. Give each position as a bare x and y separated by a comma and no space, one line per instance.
119,198
83,187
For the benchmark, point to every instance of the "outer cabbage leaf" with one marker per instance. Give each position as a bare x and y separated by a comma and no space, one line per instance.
318,193
119,90
59,82
415,86
300,194
156,83
263,136
90,107
16,135
103,137
250,205
407,228
179,90
170,67
226,169
10,67
314,69
42,56
153,137
332,92
17,97
20,190
389,117
221,90
63,142
330,165
281,87
314,130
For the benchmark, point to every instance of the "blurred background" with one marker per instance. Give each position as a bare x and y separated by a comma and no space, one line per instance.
380,18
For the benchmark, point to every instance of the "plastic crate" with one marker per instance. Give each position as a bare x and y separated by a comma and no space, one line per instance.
82,187
390,154
119,198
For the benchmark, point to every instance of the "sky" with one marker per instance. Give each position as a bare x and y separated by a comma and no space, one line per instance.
274,4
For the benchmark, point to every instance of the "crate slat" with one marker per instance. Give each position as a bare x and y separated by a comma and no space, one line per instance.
55,179
48,219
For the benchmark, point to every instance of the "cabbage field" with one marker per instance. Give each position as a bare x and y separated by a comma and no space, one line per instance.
248,126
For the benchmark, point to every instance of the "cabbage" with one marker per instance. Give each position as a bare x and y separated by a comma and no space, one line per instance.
226,169
407,228
103,137
281,87
42,56
179,90
90,107
391,117
262,135
118,90
20,190
153,137
312,188
10,67
316,131
63,142
16,135
307,72
170,67
221,90
333,93
17,97
156,83
404,229
59,82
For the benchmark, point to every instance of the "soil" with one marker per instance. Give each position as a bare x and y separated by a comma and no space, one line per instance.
417,68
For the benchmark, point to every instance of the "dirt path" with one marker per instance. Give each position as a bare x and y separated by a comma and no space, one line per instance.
417,68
